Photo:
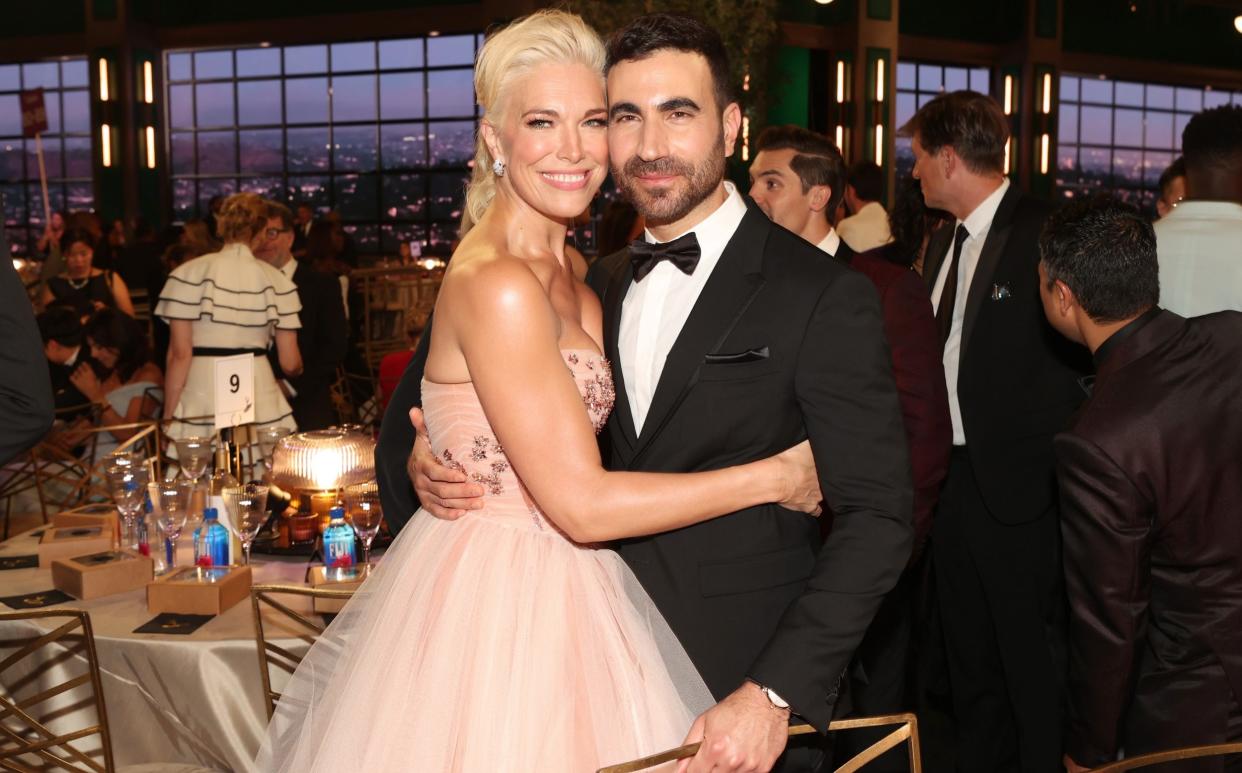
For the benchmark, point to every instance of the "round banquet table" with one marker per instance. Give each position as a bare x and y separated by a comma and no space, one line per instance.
193,699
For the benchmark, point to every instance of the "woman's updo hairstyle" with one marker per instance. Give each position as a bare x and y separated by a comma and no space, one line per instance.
241,218
544,37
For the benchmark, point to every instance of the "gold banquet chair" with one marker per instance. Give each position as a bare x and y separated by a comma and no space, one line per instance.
1172,755
70,476
27,742
291,624
906,730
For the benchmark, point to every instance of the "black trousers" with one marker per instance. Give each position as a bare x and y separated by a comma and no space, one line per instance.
1002,606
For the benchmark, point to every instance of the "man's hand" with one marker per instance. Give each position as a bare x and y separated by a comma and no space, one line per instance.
442,491
744,733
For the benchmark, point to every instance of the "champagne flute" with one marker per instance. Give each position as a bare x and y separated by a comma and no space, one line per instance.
171,501
128,485
366,513
269,437
247,507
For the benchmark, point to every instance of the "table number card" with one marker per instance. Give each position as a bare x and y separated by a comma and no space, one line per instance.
234,390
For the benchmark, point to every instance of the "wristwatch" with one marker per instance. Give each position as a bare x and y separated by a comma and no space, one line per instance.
776,700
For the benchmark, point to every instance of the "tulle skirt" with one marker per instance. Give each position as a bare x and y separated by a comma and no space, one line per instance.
485,645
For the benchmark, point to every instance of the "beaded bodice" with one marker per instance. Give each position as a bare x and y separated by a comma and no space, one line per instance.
463,440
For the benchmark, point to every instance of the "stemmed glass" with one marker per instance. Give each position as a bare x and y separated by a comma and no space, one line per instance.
194,454
247,507
128,484
269,437
171,502
362,502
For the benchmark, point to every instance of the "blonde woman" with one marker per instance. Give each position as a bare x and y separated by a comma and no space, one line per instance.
224,304
507,640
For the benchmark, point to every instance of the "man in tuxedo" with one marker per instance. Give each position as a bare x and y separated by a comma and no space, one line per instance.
867,226
301,229
731,339
25,393
60,329
796,179
323,338
1151,488
1012,384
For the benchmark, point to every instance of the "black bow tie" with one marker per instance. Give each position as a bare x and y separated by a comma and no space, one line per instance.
682,252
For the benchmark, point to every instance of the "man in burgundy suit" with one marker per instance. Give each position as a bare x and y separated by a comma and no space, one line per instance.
798,180
1151,491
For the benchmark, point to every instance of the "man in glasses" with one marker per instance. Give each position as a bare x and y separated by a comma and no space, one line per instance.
323,338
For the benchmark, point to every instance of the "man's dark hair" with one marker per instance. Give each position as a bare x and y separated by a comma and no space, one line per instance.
867,179
655,32
910,219
276,209
1172,172
61,324
1105,251
114,329
967,121
305,205
1213,138
74,235
816,160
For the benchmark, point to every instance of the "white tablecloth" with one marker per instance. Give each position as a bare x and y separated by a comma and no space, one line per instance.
194,699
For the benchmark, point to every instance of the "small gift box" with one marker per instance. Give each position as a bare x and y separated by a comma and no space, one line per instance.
72,541
335,578
91,515
102,574
199,590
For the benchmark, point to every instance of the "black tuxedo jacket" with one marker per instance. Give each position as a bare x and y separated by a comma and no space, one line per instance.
25,390
1018,380
781,345
1151,490
323,341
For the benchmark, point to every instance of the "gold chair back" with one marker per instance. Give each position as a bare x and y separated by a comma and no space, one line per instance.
292,624
1172,755
905,731
72,472
26,740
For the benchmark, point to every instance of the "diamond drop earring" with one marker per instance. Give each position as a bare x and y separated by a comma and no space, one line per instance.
498,168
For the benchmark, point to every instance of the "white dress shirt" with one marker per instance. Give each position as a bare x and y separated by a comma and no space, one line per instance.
978,223
655,309
831,243
1199,246
289,268
867,228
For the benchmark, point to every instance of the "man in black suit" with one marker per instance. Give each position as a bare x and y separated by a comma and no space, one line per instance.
301,229
324,336
25,392
1151,488
60,329
1012,384
732,338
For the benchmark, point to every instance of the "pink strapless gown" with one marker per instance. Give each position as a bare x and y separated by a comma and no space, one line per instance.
491,643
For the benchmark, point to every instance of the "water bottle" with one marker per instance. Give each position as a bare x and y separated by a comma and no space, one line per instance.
211,541
338,541
144,524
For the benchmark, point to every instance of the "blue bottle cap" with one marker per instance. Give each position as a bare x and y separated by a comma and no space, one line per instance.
210,514
337,513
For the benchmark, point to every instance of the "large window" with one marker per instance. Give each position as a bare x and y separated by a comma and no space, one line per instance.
919,83
1119,136
380,131
66,146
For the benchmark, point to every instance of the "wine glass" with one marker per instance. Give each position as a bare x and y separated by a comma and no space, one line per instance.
247,508
362,502
269,437
194,454
128,485
171,501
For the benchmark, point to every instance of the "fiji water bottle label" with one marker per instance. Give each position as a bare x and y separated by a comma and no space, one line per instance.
338,551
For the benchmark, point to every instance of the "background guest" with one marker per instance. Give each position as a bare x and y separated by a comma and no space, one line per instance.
1172,187
139,263
1200,265
224,304
867,226
60,329
912,224
25,390
82,286
324,336
303,220
1012,383
196,236
797,178
1151,488
49,248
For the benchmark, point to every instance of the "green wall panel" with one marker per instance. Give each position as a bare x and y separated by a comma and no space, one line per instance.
789,101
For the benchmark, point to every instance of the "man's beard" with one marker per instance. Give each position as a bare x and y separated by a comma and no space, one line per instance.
670,204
